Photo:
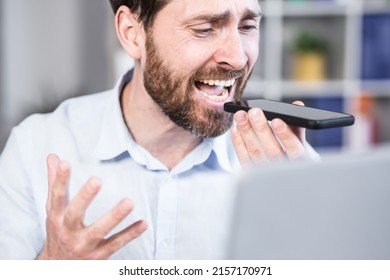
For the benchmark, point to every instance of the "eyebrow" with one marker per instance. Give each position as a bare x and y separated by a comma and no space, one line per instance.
248,14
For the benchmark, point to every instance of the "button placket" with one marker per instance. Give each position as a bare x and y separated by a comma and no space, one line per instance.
166,222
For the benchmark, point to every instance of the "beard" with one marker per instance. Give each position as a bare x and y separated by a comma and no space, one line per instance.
174,94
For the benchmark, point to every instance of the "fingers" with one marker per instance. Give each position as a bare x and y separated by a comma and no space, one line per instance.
76,209
120,239
52,165
239,146
98,231
292,137
257,139
271,146
67,237
299,103
252,142
103,226
58,181
59,191
291,143
299,131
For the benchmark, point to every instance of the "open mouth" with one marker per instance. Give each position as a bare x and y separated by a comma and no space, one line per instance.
215,90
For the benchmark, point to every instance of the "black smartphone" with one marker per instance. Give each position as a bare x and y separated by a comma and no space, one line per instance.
296,115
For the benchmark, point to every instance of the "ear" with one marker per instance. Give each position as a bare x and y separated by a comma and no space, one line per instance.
130,32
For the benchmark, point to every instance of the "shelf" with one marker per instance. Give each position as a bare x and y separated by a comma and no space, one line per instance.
278,8
292,88
376,10
376,6
312,9
331,29
379,88
342,24
346,88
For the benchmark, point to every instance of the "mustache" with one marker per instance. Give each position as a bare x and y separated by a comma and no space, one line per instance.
218,73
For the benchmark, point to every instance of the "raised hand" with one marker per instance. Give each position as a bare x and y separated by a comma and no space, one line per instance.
256,140
67,236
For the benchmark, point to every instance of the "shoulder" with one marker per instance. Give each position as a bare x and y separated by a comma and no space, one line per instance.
71,112
74,125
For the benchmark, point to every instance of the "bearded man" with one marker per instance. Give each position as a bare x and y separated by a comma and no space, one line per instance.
159,143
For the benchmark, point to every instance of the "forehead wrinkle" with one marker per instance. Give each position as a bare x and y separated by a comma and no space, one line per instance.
225,16
208,17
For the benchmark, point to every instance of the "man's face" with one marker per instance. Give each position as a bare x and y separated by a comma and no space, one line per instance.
199,55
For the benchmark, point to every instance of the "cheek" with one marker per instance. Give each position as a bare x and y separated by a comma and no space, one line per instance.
190,56
252,50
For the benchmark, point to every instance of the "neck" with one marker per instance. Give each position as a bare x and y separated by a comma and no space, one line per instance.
153,130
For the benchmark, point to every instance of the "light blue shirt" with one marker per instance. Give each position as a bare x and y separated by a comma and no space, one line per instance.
186,209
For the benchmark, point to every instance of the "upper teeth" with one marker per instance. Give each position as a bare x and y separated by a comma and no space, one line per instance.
222,83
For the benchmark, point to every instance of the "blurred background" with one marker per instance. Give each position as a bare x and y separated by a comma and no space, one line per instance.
332,54
52,50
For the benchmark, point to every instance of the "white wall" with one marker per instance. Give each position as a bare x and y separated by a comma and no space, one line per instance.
52,49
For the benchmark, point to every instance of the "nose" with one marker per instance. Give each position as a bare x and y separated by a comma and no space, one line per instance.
231,53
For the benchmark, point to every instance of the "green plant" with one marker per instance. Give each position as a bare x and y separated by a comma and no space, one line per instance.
306,41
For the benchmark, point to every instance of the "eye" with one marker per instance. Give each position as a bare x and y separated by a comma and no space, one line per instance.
249,25
203,32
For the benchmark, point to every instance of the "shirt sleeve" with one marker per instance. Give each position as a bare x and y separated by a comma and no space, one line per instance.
20,231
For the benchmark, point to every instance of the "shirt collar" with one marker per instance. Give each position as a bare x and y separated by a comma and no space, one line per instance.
114,135
224,151
115,139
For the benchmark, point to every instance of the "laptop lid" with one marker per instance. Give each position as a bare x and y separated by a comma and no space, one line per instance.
336,209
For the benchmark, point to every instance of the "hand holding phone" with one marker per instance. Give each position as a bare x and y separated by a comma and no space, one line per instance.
291,114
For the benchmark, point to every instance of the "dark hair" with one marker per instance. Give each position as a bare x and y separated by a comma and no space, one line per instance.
146,10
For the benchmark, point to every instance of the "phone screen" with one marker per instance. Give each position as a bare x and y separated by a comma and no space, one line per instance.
294,110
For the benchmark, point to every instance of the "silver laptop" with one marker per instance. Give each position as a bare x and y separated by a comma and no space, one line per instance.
333,210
